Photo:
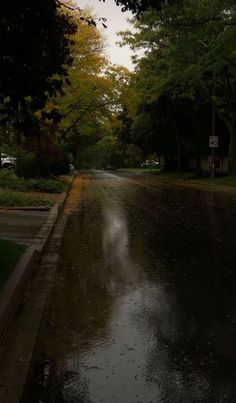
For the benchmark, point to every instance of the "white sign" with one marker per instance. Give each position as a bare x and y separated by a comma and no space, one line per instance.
213,141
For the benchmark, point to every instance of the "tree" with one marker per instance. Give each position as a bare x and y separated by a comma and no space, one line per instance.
34,52
138,6
87,111
190,51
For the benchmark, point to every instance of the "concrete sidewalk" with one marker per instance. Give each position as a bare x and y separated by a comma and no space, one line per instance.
30,227
16,348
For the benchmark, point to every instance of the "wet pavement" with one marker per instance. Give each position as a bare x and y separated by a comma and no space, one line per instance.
144,303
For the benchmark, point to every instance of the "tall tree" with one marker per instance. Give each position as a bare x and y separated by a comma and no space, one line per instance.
190,50
34,51
87,109
138,6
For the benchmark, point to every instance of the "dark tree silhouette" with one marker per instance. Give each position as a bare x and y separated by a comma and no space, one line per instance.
34,51
137,6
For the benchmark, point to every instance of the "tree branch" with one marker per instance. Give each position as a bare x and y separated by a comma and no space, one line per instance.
68,7
78,118
202,22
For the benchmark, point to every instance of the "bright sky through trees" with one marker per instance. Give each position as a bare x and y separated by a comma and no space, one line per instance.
116,21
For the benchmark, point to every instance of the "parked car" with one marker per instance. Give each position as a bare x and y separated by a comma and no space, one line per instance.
150,163
7,160
109,167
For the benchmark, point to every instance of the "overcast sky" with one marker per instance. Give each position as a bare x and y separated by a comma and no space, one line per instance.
116,21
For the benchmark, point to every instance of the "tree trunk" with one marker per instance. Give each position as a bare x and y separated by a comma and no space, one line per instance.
39,156
198,166
232,145
178,143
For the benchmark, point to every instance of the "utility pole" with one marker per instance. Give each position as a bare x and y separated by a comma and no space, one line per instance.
213,129
213,139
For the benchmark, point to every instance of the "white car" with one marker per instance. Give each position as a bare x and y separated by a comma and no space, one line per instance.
7,161
150,163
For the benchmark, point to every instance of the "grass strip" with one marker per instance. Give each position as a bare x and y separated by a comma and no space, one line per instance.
222,181
10,198
32,185
10,253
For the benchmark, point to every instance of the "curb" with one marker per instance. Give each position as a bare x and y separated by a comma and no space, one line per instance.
14,285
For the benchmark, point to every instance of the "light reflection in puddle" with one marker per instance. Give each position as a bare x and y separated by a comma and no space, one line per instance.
118,369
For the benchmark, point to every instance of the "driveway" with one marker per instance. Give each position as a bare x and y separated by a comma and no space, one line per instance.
21,226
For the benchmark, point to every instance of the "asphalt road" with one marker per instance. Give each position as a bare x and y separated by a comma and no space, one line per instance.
144,303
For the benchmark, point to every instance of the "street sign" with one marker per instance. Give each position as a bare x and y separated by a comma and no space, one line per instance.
213,142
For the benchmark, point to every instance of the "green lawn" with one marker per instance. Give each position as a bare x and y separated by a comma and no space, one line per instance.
162,174
222,181
175,175
141,170
10,253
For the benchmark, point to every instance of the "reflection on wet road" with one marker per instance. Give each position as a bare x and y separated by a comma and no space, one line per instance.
144,304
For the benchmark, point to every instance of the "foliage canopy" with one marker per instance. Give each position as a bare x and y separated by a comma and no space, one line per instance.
189,51
34,51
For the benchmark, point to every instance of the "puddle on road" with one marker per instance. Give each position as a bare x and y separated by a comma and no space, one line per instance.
144,304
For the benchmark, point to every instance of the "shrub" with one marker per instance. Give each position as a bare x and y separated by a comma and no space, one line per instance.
45,185
33,185
26,164
60,167
7,173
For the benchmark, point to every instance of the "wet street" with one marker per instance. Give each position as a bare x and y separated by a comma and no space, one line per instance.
143,307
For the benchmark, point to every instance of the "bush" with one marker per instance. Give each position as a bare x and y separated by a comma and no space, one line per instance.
26,164
33,185
60,167
45,185
7,173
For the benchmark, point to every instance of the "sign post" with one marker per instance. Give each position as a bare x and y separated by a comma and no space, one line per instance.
213,140
213,144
